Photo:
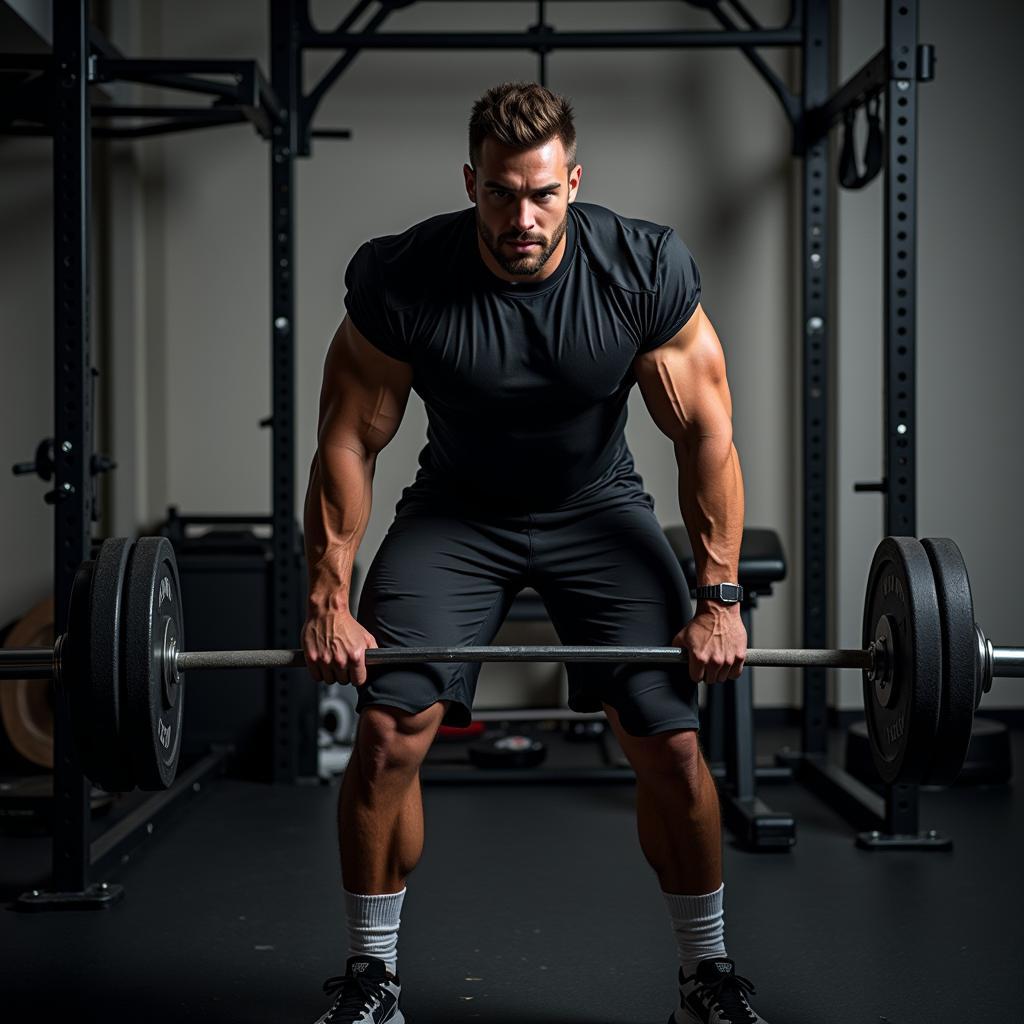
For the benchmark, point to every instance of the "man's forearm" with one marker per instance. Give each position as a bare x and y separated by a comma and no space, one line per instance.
336,512
711,501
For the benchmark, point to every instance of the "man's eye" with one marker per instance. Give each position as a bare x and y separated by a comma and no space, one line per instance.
540,196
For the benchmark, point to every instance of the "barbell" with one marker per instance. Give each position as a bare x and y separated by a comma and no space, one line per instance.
121,661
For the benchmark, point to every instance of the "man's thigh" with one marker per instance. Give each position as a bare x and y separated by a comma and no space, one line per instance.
610,578
437,580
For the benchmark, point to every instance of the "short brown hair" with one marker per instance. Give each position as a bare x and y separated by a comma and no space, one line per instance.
521,115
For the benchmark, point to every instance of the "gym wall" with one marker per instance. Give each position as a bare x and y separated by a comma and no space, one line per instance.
969,354
692,139
26,382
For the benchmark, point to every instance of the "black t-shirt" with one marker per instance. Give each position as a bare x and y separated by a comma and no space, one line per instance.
525,384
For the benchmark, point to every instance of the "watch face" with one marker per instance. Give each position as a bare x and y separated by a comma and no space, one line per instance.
731,592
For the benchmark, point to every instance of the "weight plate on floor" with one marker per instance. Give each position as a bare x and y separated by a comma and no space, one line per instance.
960,675
97,699
153,691
903,721
513,751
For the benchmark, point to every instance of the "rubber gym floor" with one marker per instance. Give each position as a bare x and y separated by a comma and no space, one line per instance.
532,905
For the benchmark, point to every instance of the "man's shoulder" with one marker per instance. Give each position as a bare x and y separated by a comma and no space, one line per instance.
622,250
418,260
429,238
602,220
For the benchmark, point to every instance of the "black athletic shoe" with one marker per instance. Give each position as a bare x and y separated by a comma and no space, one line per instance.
365,994
714,994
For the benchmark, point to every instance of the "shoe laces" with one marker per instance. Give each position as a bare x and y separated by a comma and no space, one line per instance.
728,996
354,995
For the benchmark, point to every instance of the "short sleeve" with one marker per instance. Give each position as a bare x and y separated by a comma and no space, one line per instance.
677,291
366,303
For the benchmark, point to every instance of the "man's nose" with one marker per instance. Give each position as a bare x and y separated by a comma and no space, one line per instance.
522,218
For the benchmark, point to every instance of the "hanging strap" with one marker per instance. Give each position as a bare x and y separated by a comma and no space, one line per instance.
849,176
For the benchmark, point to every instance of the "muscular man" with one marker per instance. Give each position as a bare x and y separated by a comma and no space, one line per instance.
523,323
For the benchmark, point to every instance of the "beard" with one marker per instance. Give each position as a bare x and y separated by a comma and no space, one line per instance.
521,265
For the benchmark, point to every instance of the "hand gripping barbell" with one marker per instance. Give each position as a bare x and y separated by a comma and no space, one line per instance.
925,662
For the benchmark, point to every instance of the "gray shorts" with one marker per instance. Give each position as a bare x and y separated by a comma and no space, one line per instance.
603,568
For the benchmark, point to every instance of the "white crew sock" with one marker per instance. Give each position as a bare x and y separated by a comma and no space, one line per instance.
699,926
373,926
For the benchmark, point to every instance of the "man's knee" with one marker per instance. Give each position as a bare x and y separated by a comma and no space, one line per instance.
391,738
667,762
675,760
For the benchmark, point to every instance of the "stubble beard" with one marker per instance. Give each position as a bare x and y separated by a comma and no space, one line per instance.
521,266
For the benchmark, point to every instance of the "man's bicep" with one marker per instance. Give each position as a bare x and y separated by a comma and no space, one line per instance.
364,392
684,383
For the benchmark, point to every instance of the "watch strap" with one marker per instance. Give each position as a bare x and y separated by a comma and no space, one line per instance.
724,593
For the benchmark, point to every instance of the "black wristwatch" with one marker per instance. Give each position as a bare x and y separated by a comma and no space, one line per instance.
723,593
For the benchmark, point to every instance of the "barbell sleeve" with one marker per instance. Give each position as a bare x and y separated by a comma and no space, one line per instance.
767,657
27,662
1008,662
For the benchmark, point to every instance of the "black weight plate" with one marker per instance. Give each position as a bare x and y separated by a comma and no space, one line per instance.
74,663
959,659
901,585
105,759
513,751
152,708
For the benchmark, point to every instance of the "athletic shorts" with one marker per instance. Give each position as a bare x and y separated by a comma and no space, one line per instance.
445,577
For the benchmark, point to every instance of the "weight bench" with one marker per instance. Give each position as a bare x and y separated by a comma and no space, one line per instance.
729,710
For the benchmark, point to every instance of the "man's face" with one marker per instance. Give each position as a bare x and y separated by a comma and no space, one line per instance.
522,204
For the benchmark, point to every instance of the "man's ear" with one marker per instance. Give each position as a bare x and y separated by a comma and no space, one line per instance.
574,181
470,175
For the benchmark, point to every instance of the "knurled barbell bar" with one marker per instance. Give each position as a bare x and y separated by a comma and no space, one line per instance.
44,662
925,662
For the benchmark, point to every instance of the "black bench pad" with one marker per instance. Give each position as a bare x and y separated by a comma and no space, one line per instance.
762,561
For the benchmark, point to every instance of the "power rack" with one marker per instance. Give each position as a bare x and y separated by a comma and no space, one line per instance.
52,94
